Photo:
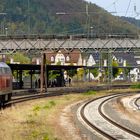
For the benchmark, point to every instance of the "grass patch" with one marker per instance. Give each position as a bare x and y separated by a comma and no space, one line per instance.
136,86
35,134
90,92
39,119
36,108
52,103
49,105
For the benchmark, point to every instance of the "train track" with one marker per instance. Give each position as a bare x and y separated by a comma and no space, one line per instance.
60,91
101,123
136,102
30,97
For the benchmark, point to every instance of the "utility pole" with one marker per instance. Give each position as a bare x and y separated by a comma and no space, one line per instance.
43,76
29,28
3,24
88,19
110,71
137,14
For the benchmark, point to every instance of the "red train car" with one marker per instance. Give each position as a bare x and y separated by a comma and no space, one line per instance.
5,83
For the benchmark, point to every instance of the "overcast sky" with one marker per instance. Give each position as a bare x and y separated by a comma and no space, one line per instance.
121,7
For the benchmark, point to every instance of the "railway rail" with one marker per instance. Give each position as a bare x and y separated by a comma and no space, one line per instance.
101,123
137,103
61,91
30,97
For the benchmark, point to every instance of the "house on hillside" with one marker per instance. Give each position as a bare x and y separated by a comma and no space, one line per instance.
125,59
36,60
128,59
63,57
2,58
91,59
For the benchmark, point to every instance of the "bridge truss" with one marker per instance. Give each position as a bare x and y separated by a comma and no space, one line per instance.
37,44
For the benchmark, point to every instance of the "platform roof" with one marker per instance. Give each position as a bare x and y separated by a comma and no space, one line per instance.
55,67
24,67
38,67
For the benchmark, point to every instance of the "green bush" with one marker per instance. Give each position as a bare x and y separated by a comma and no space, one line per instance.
49,105
36,108
90,92
136,86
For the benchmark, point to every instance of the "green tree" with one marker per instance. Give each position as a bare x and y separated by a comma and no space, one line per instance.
53,74
116,71
72,72
20,57
80,73
95,72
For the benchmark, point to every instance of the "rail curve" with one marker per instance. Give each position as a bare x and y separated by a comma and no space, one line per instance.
116,131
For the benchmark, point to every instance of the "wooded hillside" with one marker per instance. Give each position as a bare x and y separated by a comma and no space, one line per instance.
39,17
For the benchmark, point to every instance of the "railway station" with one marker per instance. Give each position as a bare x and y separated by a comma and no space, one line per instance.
69,70
36,69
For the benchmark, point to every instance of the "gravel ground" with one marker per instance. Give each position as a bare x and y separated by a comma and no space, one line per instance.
125,116
116,110
84,133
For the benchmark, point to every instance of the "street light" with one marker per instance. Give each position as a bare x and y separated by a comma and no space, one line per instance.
62,13
91,31
6,31
3,13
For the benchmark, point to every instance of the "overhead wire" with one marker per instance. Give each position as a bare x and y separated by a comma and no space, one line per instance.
111,4
128,8
115,7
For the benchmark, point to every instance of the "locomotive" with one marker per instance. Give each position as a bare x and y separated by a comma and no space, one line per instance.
5,83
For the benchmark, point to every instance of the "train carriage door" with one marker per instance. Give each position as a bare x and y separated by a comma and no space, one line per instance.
0,79
3,78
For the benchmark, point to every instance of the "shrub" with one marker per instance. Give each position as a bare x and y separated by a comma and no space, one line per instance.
136,86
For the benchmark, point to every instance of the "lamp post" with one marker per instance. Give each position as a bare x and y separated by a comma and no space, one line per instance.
6,31
91,31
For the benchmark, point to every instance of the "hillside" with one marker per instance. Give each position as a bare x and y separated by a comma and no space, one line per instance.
39,17
132,20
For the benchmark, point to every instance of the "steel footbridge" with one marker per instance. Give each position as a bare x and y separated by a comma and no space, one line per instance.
38,44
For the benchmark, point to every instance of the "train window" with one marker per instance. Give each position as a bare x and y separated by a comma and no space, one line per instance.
5,71
4,68
2,71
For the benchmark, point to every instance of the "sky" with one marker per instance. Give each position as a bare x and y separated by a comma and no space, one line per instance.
120,7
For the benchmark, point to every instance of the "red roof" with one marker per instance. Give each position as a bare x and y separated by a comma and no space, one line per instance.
74,55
